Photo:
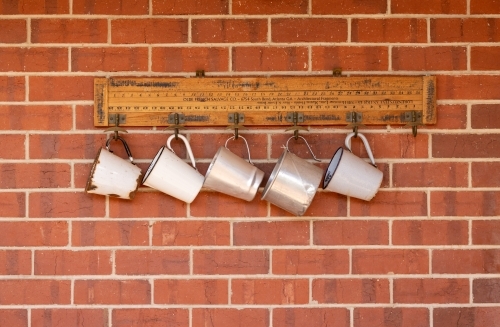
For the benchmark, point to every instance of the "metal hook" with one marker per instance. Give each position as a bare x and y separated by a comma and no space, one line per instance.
355,118
176,118
236,118
308,146
414,118
115,128
295,118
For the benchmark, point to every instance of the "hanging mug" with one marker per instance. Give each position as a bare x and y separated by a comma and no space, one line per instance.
112,175
293,182
171,175
232,175
352,176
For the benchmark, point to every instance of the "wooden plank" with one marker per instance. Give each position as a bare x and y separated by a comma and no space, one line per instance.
265,101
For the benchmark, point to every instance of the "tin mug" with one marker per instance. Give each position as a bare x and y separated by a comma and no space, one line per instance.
112,175
232,175
352,176
171,175
293,182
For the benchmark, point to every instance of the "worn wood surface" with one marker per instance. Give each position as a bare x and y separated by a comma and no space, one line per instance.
264,101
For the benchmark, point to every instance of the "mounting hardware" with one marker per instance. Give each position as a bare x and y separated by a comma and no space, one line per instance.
122,119
414,118
200,73
337,72
295,118
116,119
236,118
175,119
355,119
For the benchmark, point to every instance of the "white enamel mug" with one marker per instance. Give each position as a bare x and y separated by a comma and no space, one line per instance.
171,175
232,175
112,175
352,176
293,182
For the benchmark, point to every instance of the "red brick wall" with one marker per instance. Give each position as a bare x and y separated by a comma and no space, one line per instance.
423,253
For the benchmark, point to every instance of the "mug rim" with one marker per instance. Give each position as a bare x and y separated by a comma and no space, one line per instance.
152,164
325,181
272,177
92,170
216,156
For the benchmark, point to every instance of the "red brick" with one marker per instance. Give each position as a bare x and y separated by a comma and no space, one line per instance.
483,58
270,58
66,205
429,7
229,262
15,263
69,31
34,7
147,204
394,30
190,7
109,59
393,261
485,116
12,88
32,291
121,7
480,87
486,290
33,233
65,262
13,31
191,291
34,175
430,232
112,292
230,317
40,118
351,232
33,59
190,59
14,318
391,204
69,317
430,174
65,146
310,262
401,317
465,30
486,232
450,117
61,88
191,233
214,204
150,317
466,203
436,290
131,31
465,317
465,261
484,7
350,58
263,7
348,7
485,174
12,146
309,30
271,233
13,204
159,262
207,150
84,116
229,30
429,58
465,146
360,290
270,291
109,233
299,317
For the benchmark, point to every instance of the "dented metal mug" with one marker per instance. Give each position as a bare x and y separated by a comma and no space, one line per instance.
112,175
171,175
350,175
293,182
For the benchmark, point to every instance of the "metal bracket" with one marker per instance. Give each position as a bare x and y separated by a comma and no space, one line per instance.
295,118
200,73
116,119
355,119
414,118
236,118
337,72
181,119
122,119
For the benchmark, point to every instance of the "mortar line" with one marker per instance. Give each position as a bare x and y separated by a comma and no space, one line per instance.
431,254
271,317
391,291
191,261
389,7
28,30
468,51
469,117
70,233
109,36
349,250
190,31
29,316
26,146
391,172
269,36
311,233
389,58
230,8
32,262
310,282
231,233
351,316
468,7
230,58
229,290
309,11
428,21
150,232
190,313
110,317
71,7
309,59
150,58
152,285
428,198
349,30
26,89
469,175
390,225
150,11
72,291
113,261
431,317
470,233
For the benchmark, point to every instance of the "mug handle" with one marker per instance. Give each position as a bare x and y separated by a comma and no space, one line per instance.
309,147
125,145
365,142
248,149
186,143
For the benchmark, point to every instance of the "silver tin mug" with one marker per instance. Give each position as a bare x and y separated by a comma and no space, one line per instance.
232,175
293,182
